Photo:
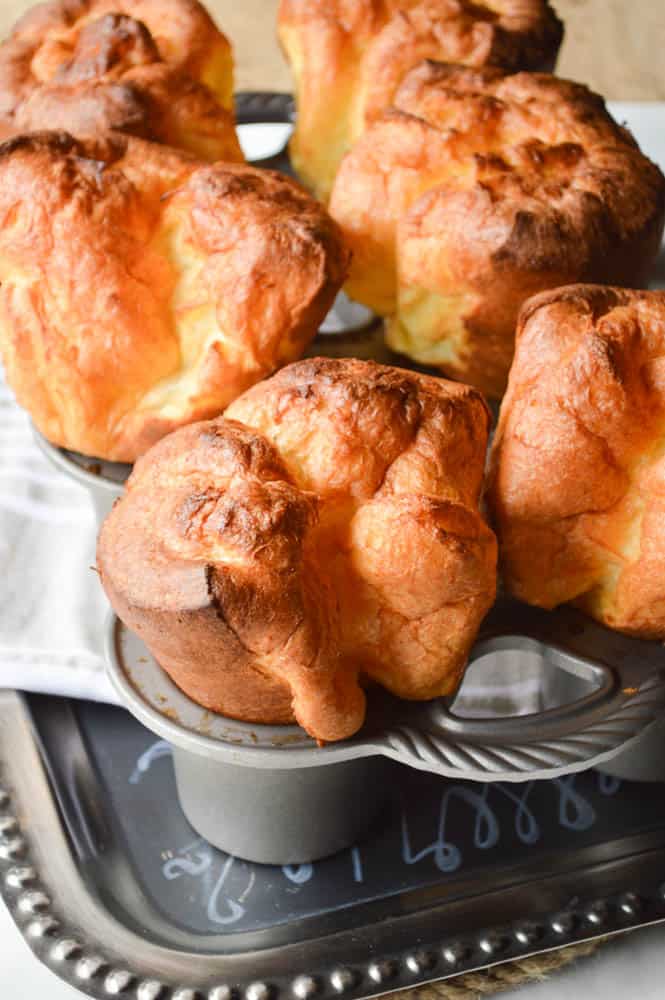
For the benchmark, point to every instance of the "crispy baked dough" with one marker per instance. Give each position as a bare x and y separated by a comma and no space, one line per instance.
478,190
325,530
577,486
348,58
141,289
159,69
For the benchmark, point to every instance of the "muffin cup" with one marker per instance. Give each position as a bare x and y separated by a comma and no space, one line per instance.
302,808
276,816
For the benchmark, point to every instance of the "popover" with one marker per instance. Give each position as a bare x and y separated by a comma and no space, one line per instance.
323,534
577,486
480,189
158,69
348,58
141,288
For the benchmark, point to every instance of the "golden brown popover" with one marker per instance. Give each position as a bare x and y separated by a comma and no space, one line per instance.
141,289
158,69
577,487
348,58
324,532
480,189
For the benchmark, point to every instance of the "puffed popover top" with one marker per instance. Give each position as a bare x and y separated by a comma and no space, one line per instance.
323,535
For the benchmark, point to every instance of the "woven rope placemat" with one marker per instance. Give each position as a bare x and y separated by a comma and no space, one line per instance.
477,985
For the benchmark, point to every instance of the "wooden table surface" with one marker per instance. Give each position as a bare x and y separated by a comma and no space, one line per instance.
615,46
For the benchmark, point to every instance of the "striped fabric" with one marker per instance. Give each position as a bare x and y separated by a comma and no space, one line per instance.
52,607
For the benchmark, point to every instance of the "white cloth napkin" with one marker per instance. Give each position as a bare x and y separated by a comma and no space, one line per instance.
52,608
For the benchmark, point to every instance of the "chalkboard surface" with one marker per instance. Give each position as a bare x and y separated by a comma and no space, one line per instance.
434,833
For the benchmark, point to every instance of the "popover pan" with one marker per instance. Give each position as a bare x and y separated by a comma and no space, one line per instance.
269,794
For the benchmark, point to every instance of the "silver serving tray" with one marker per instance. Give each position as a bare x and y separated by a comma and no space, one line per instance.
74,883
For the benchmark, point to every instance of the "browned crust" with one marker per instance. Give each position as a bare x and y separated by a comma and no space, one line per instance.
158,69
142,289
187,37
486,189
325,531
349,59
577,467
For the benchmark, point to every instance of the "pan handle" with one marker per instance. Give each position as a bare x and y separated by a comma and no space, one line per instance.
628,694
627,678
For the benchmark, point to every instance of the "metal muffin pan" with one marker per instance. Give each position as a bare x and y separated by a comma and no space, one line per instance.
269,794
